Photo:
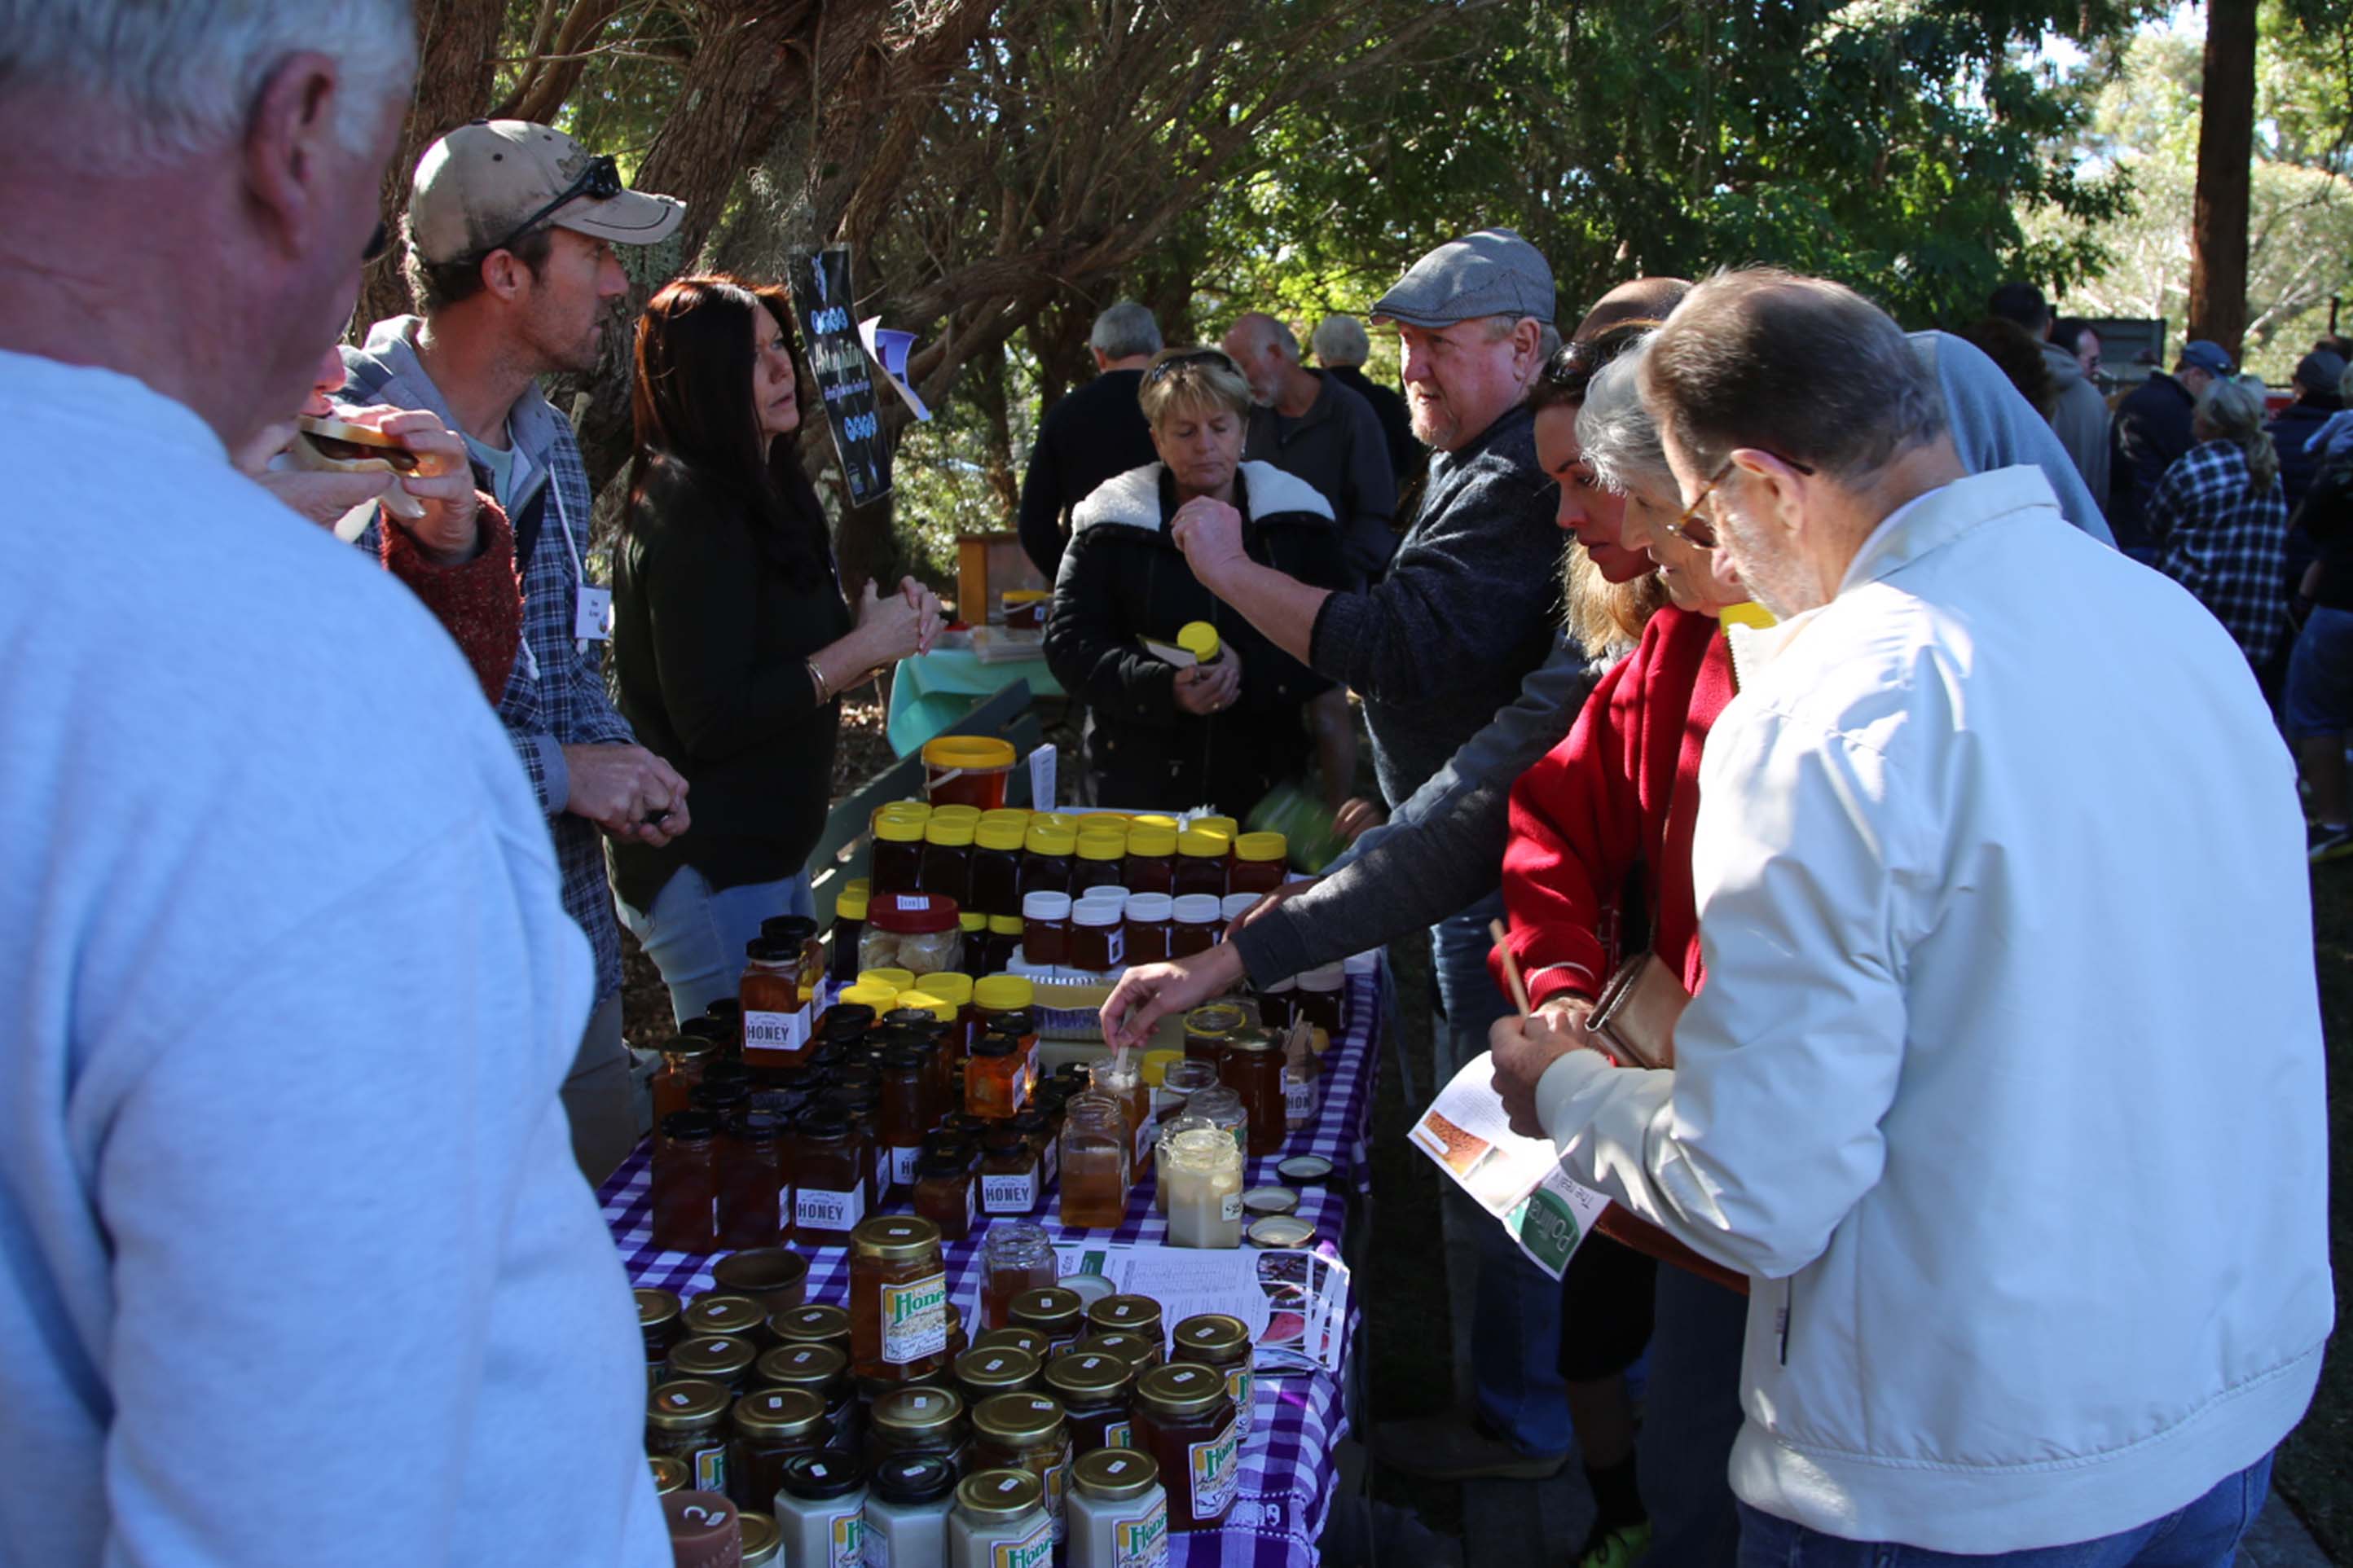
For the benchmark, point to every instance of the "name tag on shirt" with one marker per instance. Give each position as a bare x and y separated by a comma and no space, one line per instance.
592,614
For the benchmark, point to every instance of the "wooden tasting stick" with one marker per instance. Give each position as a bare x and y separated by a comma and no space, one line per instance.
1511,969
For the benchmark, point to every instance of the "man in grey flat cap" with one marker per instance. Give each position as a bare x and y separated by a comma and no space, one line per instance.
1435,648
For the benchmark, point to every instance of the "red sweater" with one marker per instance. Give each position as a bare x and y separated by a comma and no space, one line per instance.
1617,797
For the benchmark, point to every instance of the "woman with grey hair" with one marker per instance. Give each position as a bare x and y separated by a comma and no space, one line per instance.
2219,520
1225,731
1600,843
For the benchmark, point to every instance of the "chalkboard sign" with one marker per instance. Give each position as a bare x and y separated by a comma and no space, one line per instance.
845,376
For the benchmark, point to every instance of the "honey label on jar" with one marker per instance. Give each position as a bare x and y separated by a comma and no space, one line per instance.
1142,1542
1229,1207
1217,1467
1241,1387
711,1469
1035,1550
903,1165
1008,1194
1118,1435
914,1318
775,1032
848,1539
814,1208
1299,1101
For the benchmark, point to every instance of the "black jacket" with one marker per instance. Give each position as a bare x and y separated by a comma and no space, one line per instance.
2289,430
713,627
1122,578
2150,431
2325,518
1093,435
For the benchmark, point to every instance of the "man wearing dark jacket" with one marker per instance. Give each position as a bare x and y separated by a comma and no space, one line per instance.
1341,348
1306,423
2316,376
1435,648
1090,435
2152,429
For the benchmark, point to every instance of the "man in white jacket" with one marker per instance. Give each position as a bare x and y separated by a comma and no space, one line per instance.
2008,1097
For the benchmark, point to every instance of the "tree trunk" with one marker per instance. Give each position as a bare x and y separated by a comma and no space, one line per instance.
2226,130
985,376
457,50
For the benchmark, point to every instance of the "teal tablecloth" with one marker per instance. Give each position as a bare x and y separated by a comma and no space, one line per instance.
930,691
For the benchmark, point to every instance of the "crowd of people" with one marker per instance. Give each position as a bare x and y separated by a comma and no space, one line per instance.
1740,639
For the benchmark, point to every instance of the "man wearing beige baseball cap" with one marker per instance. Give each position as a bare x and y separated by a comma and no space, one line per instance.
509,234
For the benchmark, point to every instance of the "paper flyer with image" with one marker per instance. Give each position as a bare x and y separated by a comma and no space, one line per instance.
1518,1180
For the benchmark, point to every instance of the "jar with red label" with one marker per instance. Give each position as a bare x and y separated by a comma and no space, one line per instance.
1200,864
1148,925
1196,920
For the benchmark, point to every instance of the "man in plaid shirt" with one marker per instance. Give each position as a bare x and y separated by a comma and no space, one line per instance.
2219,519
510,232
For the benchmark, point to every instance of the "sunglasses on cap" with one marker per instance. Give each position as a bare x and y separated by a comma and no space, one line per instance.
1192,356
599,182
1697,531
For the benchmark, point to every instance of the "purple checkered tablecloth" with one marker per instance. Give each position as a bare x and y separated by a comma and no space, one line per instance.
1287,1471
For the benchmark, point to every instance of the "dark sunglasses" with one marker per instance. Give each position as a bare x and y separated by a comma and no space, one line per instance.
1694,529
1192,356
1572,365
600,182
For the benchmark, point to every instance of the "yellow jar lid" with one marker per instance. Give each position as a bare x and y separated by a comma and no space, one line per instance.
1044,839
850,903
1151,819
1196,844
948,832
896,979
1000,835
1199,638
1111,820
972,921
1150,838
968,752
967,814
1223,826
871,993
1003,992
1099,846
1262,847
939,1007
899,829
1154,1065
947,985
918,809
1005,925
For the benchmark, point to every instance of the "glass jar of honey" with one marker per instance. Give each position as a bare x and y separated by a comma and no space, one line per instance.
829,1180
997,868
898,861
1096,1159
776,1011
1118,1509
907,1091
1201,1174
819,1369
1185,1420
1011,1337
996,1079
975,926
715,1312
923,1419
1016,1258
1010,1182
1120,1078
1221,1344
946,1195
658,1320
1130,1314
683,1057
1139,1354
1262,863
1194,922
984,1373
1025,1432
1045,928
1278,1004
1098,943
1223,1108
722,1359
1055,1313
1303,1088
685,1182
752,1180
1253,1070
1150,865
771,1426
1209,1027
1005,1002
1093,1386
819,1323
898,1300
669,1476
1200,864
999,1520
1048,859
687,1420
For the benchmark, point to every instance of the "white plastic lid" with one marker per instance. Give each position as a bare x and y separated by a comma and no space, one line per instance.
1046,905
1238,904
1112,891
1330,977
1097,911
1200,908
1151,908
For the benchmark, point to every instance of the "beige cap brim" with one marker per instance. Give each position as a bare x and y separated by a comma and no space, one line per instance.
633,217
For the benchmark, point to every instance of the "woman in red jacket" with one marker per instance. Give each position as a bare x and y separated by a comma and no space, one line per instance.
1601,843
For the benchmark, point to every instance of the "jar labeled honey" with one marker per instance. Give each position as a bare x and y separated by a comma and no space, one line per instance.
1185,1420
1009,1182
898,1300
776,1010
1025,1432
922,1419
830,1179
820,1370
1093,1388
1055,1313
686,1419
771,1426
1222,1344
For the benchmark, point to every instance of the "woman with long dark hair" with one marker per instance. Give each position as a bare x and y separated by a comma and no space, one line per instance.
732,639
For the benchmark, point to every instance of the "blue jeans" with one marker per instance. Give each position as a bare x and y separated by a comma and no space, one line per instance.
2203,1535
1515,1311
1691,1415
696,935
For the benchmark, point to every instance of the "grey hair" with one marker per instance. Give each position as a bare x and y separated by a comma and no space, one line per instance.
1618,435
1340,342
180,77
1125,330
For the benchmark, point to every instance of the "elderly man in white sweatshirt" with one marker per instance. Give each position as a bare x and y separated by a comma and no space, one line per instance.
2005,1083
